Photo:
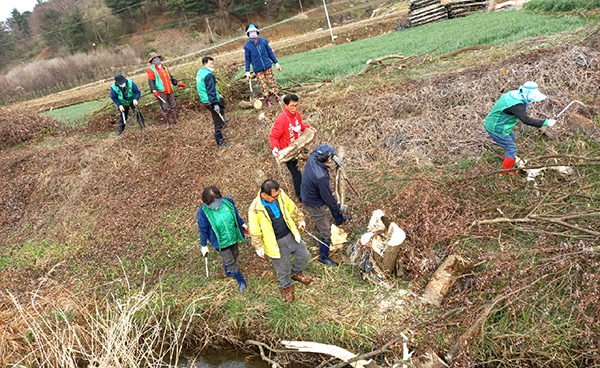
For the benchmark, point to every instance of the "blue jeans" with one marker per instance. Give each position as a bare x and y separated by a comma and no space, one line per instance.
507,142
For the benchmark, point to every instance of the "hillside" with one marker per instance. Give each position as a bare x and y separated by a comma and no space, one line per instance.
100,231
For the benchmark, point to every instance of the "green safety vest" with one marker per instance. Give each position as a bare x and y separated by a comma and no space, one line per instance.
159,84
201,87
499,122
220,220
126,99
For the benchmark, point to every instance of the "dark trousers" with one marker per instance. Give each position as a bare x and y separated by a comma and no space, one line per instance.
169,102
121,121
217,121
292,165
229,256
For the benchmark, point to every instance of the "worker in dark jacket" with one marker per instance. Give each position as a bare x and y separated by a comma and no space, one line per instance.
317,196
506,113
160,82
206,84
125,94
259,54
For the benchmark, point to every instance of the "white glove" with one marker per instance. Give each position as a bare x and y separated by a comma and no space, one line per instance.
204,251
277,66
248,75
260,252
551,122
301,225
134,102
275,151
122,108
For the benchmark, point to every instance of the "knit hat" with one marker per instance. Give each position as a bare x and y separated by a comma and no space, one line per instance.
531,92
120,79
324,151
251,27
152,55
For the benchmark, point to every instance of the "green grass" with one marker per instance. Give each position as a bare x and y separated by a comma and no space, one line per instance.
73,114
489,28
562,5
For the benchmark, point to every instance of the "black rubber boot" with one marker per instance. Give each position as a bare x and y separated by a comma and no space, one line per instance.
324,253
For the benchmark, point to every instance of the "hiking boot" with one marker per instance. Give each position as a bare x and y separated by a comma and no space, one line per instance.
175,117
288,293
219,139
268,100
277,99
300,277
165,117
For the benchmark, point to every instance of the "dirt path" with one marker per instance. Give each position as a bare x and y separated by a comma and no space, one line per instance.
296,43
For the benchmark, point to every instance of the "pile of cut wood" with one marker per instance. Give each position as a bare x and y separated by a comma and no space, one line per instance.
461,8
425,11
428,11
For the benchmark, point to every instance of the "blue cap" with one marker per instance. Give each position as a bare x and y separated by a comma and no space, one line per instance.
323,152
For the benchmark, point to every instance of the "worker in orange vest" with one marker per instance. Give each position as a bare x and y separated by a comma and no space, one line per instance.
160,81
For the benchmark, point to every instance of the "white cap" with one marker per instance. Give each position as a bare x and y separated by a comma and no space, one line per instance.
531,92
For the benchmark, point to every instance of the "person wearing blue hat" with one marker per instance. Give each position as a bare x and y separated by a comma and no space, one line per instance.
317,196
506,113
220,223
259,54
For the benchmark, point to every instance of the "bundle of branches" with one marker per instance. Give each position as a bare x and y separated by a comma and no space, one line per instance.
18,128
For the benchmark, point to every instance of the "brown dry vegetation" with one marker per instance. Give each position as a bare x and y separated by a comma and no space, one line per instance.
102,197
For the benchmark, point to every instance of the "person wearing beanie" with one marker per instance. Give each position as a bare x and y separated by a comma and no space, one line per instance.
259,54
160,82
506,113
125,94
206,84
317,196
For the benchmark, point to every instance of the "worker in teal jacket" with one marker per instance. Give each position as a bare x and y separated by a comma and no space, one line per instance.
206,84
125,94
506,113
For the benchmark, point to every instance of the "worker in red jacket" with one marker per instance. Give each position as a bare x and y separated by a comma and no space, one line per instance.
160,81
287,128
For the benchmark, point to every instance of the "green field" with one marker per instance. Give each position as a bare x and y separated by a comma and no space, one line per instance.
489,28
75,112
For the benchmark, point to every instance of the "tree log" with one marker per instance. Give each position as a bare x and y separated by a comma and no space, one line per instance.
444,277
252,104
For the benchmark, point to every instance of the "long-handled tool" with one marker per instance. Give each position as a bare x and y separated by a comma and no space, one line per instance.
206,265
348,181
124,120
163,101
250,83
569,105
314,237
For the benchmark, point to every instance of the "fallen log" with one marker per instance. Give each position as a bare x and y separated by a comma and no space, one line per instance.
444,277
252,104
295,148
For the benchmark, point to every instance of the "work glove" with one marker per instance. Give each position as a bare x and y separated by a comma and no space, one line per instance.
245,228
278,66
217,108
301,225
343,208
134,102
260,252
275,152
156,94
122,108
338,160
204,251
551,122
180,84
248,75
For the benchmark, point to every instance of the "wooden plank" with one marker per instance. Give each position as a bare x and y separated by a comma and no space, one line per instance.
428,19
428,15
426,9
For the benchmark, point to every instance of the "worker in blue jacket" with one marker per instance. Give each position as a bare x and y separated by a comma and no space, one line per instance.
317,196
125,94
259,54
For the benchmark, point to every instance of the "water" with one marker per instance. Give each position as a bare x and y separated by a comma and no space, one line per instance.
224,358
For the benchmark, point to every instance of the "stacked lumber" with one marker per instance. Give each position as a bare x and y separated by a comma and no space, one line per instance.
426,11
461,8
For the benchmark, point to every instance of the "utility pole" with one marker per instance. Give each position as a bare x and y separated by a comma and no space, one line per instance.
328,21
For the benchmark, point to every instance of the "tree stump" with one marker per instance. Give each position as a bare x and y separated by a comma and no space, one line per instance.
444,277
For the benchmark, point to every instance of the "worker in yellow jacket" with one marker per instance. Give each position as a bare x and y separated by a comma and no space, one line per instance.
275,224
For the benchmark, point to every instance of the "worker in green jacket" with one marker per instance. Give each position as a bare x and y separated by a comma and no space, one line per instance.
506,113
125,94
206,84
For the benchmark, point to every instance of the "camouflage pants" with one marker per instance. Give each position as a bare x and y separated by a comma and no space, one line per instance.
264,77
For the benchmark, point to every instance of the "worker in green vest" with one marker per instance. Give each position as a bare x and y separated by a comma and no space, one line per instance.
206,83
506,113
125,94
